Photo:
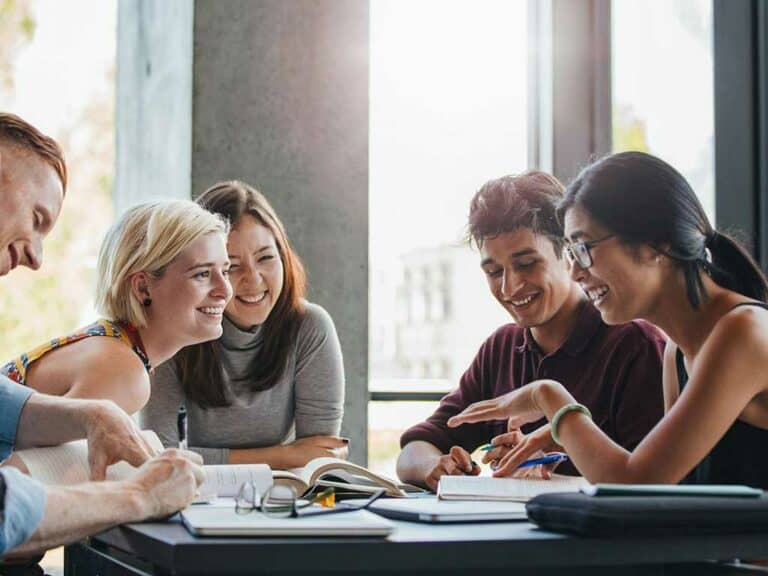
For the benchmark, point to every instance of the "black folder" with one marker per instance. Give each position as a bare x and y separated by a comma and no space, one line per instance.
616,516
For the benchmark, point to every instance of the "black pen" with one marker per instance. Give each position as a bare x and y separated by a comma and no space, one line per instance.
181,425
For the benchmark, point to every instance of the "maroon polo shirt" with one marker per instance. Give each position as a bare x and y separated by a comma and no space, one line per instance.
614,370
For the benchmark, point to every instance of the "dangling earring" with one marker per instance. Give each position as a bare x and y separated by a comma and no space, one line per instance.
147,302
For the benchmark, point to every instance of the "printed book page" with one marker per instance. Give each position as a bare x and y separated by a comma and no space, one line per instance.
343,475
225,480
350,475
514,489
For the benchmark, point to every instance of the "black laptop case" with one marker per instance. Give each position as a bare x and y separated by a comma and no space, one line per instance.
577,513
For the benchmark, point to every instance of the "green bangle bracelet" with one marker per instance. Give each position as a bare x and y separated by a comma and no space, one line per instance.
572,407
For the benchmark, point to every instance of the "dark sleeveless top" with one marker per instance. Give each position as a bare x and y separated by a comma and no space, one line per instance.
739,457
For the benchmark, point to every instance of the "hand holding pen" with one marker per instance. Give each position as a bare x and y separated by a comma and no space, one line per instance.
551,458
457,462
508,451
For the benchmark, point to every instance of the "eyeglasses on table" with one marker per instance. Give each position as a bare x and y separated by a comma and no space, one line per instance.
280,501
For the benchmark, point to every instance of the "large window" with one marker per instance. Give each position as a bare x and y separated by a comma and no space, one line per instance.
63,83
447,113
663,91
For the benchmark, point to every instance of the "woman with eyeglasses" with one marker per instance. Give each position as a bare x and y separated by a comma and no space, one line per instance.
641,246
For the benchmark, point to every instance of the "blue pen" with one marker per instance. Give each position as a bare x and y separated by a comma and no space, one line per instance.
548,459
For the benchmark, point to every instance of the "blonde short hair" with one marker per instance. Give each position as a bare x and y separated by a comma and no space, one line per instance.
146,238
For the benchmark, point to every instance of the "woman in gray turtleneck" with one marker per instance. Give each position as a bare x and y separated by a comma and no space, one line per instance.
271,389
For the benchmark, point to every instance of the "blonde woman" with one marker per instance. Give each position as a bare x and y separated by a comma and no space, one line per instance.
162,285
271,389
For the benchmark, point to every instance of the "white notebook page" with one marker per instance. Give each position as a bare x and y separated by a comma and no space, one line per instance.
489,488
67,464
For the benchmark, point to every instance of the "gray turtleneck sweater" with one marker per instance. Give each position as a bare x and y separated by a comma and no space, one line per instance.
306,401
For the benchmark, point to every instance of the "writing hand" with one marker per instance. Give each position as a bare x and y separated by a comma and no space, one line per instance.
169,482
502,444
456,463
525,447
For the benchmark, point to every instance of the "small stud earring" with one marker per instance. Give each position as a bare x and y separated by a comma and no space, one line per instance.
147,301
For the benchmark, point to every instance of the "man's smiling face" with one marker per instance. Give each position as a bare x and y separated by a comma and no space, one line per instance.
526,275
31,195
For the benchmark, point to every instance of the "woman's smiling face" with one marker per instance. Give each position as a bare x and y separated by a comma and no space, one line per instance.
623,282
192,292
256,272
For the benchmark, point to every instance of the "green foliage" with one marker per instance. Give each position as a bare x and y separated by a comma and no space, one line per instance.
17,30
629,131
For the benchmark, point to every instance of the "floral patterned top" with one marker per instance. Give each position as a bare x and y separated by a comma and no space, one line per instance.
16,369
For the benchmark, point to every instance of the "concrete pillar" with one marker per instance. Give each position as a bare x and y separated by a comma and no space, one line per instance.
154,101
279,99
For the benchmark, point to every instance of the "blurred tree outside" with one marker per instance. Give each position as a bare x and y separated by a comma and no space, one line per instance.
629,131
17,28
37,306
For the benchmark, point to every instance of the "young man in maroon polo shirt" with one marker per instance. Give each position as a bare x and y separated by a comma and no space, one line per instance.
557,334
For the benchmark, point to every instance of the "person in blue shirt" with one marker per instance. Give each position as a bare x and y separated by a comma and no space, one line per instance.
33,517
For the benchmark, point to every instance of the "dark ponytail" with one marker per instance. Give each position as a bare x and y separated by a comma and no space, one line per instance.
644,200
732,267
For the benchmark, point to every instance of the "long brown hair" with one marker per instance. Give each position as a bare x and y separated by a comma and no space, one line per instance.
199,366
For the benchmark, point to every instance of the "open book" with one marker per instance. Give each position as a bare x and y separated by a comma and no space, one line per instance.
342,475
68,464
514,489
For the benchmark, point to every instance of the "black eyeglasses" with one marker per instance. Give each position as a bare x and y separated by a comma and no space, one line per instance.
282,502
581,252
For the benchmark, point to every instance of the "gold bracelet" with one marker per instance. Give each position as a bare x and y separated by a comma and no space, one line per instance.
572,407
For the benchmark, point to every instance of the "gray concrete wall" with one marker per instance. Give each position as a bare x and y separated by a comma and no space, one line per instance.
279,100
154,101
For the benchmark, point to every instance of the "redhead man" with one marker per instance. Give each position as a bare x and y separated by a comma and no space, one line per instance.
32,517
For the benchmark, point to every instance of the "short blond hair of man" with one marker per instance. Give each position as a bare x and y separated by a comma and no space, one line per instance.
146,238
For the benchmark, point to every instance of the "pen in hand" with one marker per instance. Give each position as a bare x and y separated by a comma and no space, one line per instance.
181,425
546,459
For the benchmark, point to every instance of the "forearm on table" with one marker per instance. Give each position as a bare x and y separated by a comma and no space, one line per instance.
416,461
74,512
278,457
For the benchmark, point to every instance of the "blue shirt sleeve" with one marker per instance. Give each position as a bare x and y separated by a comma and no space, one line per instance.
22,508
12,399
